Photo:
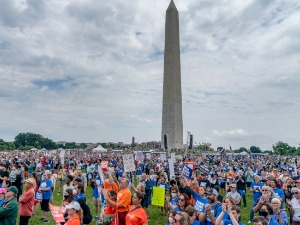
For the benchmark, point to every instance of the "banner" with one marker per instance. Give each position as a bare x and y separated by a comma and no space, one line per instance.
171,168
128,162
191,164
57,213
62,161
187,171
158,196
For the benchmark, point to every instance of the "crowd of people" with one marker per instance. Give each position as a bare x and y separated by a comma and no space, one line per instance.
29,179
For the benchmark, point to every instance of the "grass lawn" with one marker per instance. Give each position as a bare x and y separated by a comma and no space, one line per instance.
155,217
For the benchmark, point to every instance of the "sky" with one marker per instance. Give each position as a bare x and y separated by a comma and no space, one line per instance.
92,70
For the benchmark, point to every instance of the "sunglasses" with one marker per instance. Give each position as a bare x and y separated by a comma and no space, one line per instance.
264,190
295,193
181,199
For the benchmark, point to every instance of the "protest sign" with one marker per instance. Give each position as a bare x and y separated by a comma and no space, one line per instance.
104,165
101,174
62,161
163,157
128,162
139,156
187,171
191,164
148,155
62,153
57,213
38,196
204,168
171,168
158,196
173,157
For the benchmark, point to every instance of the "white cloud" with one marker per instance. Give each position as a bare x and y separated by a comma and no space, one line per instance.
79,70
237,132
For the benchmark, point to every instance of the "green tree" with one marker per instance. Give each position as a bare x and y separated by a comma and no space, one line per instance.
254,149
281,148
25,140
241,149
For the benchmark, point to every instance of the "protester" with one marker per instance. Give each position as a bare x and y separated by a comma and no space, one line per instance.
2,196
123,201
279,215
136,214
181,218
9,210
46,189
295,206
183,202
86,212
110,213
234,213
26,202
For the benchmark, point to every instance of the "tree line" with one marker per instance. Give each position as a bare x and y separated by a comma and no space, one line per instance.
27,141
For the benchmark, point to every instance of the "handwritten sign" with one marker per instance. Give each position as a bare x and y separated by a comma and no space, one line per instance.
148,155
128,162
104,165
163,157
173,157
158,196
57,213
139,157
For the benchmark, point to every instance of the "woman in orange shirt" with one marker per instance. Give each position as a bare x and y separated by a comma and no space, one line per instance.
136,214
111,208
75,214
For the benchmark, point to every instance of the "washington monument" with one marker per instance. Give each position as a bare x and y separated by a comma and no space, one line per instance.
172,134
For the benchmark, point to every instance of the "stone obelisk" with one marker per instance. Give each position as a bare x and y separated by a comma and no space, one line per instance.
172,128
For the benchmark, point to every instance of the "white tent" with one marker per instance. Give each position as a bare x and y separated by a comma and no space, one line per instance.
99,149
33,149
243,153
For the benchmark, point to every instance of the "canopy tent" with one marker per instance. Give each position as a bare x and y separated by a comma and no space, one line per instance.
99,149
243,153
33,149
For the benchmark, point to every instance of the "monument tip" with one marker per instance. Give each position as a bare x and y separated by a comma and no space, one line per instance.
172,6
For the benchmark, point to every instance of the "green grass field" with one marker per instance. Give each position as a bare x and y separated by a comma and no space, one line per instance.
155,217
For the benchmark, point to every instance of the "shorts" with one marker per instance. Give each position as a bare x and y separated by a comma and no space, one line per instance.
97,201
26,173
45,205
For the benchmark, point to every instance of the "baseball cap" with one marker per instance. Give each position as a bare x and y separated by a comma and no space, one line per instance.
3,190
212,191
13,189
73,205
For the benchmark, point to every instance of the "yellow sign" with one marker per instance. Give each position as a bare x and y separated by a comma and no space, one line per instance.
158,196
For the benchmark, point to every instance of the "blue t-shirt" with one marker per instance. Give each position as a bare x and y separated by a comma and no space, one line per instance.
81,195
278,193
178,209
196,222
228,222
174,202
199,202
256,194
213,208
96,191
46,184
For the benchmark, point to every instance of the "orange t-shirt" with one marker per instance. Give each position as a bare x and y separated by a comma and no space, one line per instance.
136,217
124,198
110,210
108,187
73,221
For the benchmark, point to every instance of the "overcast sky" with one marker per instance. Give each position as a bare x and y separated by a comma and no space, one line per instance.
92,70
